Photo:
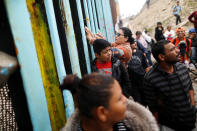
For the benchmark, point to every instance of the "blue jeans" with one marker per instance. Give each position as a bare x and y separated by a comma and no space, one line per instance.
148,56
193,54
178,19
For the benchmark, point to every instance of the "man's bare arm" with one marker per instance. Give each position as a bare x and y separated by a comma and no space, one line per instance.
191,94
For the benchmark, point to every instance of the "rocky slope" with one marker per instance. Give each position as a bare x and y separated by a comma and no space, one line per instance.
161,10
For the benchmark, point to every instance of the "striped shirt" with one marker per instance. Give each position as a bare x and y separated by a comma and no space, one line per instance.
168,94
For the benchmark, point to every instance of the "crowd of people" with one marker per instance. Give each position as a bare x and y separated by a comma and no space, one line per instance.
127,91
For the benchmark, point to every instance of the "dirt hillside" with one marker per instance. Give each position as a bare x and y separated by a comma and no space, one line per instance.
161,10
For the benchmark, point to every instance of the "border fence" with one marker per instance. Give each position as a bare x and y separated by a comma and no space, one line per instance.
49,42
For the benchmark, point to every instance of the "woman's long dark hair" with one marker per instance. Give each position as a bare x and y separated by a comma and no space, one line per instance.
127,33
91,91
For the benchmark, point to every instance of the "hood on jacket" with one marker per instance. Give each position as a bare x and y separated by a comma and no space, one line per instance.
138,118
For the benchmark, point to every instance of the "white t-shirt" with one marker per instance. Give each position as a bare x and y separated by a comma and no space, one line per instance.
169,35
146,37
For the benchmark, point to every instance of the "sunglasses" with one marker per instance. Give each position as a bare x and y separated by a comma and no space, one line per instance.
118,34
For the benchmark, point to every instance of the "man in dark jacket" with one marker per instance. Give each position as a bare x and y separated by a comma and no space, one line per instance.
137,67
107,64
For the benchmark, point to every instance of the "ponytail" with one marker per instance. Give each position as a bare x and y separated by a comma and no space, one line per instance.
131,40
71,83
91,91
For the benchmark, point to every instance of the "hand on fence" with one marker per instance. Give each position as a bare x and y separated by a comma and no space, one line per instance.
99,35
90,36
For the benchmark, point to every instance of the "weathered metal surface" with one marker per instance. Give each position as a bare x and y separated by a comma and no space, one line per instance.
37,49
68,25
106,18
55,39
47,64
94,15
86,14
91,16
19,19
111,25
70,35
88,22
101,20
84,41
69,104
92,20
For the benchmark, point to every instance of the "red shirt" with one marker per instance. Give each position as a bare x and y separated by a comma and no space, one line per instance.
193,15
105,68
176,44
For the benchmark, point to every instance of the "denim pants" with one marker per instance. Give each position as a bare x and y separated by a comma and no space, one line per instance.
178,19
148,56
193,54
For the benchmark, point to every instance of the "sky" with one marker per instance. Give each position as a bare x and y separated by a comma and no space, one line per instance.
130,7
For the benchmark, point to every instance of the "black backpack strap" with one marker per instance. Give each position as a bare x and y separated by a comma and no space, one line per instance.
187,40
174,41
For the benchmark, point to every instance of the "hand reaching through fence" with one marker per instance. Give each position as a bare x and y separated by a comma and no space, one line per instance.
89,35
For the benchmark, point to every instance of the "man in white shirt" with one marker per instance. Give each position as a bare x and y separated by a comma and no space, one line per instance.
169,33
146,36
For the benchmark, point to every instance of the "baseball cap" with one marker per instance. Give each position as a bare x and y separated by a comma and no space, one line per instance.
192,30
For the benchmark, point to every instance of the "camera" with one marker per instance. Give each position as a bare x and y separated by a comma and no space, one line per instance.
182,46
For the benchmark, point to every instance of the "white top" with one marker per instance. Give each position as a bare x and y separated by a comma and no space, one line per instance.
169,35
146,37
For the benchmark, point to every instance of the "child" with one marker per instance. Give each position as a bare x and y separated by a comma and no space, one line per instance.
105,63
